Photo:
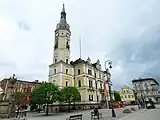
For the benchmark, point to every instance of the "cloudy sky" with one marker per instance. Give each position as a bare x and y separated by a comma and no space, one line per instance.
125,31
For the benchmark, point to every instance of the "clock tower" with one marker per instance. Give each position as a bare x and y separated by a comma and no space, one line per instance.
62,40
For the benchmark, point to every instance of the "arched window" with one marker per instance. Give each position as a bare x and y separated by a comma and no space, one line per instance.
67,45
66,71
79,71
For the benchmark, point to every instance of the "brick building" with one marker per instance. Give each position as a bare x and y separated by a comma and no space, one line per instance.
20,86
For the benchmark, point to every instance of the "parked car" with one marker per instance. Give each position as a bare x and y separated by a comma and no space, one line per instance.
150,104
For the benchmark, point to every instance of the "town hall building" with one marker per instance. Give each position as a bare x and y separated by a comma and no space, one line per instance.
87,77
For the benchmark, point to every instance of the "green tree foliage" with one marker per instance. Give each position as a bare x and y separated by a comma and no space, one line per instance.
117,96
19,97
69,95
46,93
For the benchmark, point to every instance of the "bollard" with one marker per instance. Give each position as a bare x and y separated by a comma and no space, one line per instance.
113,112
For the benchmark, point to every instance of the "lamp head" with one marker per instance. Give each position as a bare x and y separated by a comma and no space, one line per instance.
110,66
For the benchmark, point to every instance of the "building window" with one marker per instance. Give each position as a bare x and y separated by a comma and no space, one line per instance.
125,96
79,71
66,71
67,61
67,45
101,85
95,75
90,83
89,72
132,96
99,75
79,83
55,60
90,97
128,96
66,83
54,71
96,85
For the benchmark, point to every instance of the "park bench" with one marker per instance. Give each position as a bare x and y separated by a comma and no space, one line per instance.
96,115
75,117
21,115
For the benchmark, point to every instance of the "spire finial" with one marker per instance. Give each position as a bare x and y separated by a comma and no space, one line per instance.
63,9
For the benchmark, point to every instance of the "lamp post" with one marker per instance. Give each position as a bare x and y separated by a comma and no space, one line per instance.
108,64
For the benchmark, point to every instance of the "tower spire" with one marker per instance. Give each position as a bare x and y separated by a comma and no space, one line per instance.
63,9
63,13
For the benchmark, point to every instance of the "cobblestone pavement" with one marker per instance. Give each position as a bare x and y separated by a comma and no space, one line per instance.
106,113
146,114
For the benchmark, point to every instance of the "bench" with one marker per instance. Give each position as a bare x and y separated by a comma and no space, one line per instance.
21,115
75,117
96,115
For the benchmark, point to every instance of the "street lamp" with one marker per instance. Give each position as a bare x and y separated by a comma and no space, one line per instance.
108,64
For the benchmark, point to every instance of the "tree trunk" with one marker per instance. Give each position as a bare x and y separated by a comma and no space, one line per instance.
39,109
74,107
47,110
69,108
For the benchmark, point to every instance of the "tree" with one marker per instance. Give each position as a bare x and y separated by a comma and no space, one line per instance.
46,93
19,97
69,95
117,96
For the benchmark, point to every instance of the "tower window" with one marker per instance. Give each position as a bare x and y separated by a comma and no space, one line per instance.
54,71
79,83
95,75
55,60
66,71
67,61
79,71
66,83
67,45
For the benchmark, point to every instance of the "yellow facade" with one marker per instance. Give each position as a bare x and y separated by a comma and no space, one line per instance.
80,73
127,94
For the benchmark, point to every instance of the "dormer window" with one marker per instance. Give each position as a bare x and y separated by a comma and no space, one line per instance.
66,71
79,71
55,60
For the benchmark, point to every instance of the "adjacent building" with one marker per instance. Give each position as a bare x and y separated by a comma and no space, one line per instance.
88,77
127,95
20,86
147,88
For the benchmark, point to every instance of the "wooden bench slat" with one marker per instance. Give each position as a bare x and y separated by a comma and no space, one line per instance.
75,117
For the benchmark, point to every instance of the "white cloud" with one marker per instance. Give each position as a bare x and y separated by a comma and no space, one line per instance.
104,26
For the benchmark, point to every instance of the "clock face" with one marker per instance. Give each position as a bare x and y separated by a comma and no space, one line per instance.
57,34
